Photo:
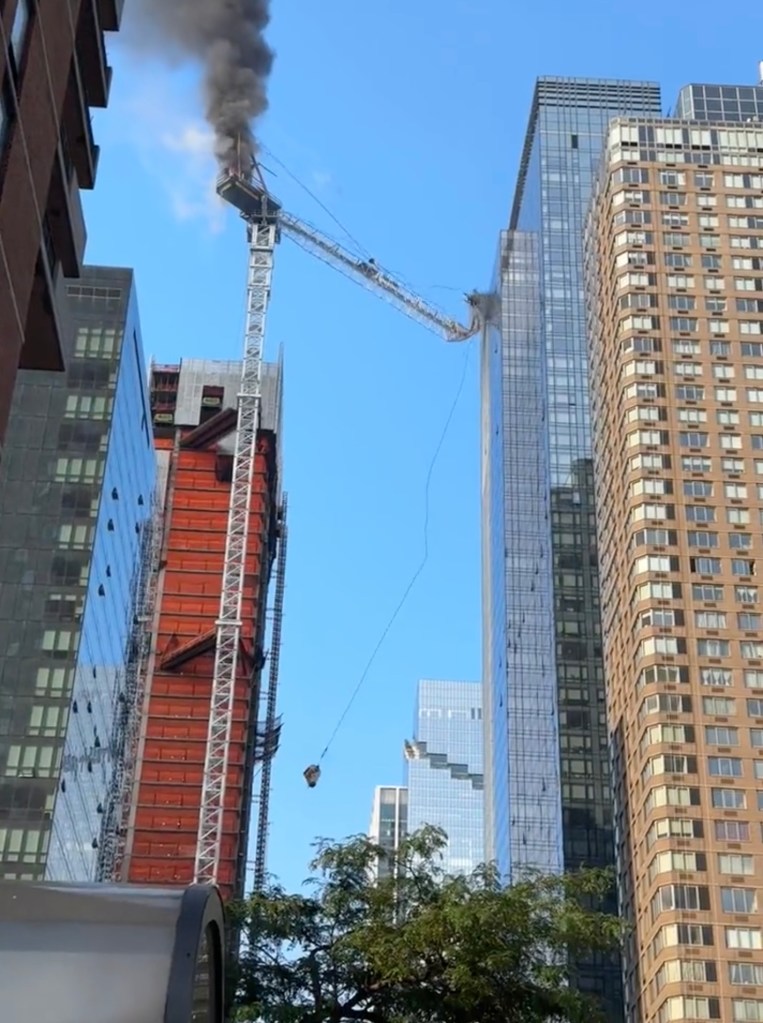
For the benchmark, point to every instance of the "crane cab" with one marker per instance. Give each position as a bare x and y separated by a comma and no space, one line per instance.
252,200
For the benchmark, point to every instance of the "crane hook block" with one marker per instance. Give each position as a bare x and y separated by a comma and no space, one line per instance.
312,774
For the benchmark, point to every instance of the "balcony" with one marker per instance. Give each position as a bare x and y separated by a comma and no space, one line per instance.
110,13
91,55
47,320
65,216
79,129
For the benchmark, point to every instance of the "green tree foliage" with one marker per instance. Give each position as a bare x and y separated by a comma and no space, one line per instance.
418,946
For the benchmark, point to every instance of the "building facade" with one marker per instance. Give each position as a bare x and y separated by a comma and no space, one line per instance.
675,284
193,408
548,800
444,770
76,486
53,70
389,823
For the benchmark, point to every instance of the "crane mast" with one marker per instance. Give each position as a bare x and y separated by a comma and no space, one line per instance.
265,220
261,215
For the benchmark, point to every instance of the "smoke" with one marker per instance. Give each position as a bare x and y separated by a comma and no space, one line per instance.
227,38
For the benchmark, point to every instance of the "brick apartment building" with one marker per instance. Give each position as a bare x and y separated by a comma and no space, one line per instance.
53,70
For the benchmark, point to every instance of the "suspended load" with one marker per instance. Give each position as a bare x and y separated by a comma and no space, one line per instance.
312,774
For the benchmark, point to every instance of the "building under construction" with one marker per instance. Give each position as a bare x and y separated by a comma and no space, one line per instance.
193,408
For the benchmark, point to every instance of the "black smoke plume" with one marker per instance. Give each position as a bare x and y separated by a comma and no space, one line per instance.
227,38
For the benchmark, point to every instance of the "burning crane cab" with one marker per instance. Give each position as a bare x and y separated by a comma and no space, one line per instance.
248,195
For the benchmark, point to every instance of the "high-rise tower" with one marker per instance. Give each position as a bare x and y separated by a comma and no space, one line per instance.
444,769
193,407
675,279
76,487
548,802
53,71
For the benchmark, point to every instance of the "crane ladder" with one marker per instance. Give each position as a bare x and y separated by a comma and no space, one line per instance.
263,236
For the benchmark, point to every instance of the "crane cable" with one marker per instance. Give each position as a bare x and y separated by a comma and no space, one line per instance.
425,557
361,249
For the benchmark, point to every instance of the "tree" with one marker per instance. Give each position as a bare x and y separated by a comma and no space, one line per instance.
419,946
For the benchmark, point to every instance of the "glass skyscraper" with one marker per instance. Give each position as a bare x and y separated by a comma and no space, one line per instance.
445,771
389,822
76,494
548,801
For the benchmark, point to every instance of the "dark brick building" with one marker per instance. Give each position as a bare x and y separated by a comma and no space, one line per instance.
53,70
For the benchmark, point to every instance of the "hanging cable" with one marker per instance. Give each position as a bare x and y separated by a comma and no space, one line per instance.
425,557
361,248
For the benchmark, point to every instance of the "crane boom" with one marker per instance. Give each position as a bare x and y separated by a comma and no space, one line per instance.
367,273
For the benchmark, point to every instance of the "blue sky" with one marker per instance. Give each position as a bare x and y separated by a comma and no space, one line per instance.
406,118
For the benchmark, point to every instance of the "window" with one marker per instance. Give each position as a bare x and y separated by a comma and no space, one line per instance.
749,622
689,1007
696,463
706,591
725,394
678,260
721,735
716,677
680,896
729,799
744,937
738,900
736,863
657,618
671,795
749,974
730,441
753,679
692,415
746,594
693,439
697,488
671,763
756,738
727,417
660,591
705,566
751,649
710,619
680,827
665,703
666,645
742,566
729,464
735,491
700,513
652,563
755,708
737,516
683,934
725,767
665,862
732,831
740,541
701,538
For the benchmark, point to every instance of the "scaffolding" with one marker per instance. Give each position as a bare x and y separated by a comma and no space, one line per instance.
270,732
128,710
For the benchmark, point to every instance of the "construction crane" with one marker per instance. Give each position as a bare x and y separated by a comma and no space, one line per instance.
266,222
